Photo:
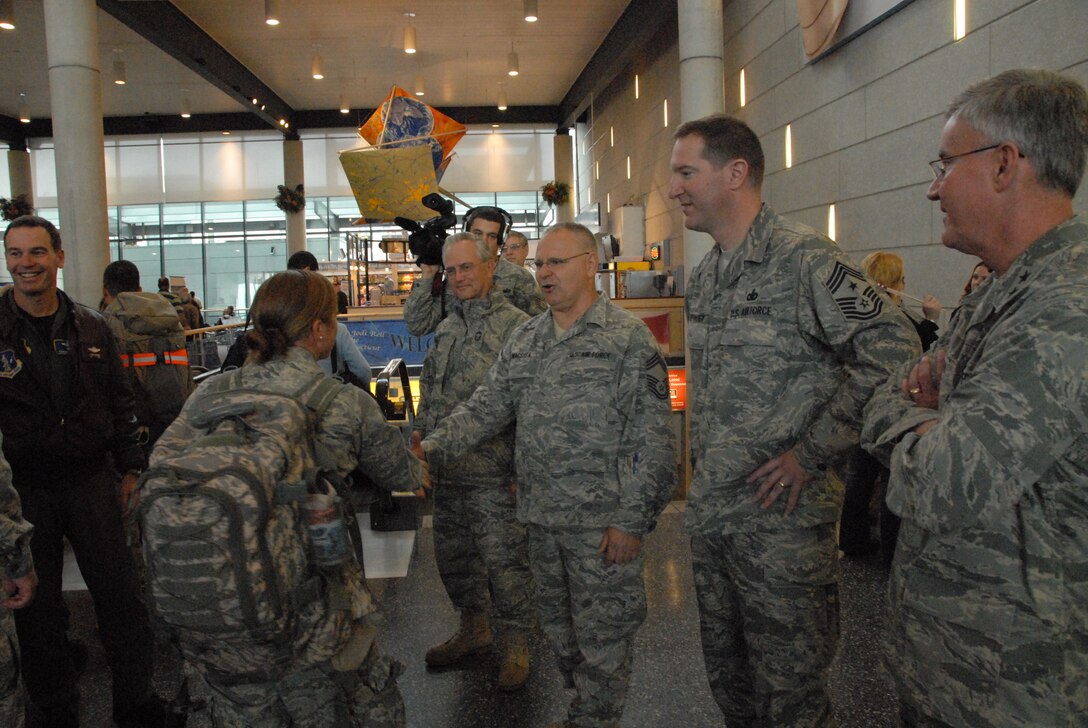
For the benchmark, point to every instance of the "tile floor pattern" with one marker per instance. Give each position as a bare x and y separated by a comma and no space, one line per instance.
668,685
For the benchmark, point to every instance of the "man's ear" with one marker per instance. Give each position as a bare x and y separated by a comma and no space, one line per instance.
736,173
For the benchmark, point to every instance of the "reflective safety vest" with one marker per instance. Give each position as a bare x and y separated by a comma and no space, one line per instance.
179,357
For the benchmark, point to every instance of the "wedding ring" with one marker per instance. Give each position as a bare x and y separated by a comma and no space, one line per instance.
914,390
781,484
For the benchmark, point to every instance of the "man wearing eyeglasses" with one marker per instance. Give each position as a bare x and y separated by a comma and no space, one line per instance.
988,435
479,545
516,249
428,303
587,386
787,340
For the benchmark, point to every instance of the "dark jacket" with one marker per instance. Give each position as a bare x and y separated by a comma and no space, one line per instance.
44,444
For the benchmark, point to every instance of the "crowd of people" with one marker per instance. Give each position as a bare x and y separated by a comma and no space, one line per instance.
544,435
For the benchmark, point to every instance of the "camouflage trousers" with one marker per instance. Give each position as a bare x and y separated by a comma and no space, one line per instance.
318,696
12,695
769,621
481,549
590,611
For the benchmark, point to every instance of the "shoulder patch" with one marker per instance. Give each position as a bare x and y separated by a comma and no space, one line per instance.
655,374
9,364
856,299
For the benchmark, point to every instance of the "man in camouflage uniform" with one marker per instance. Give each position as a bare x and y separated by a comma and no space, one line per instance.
19,581
595,464
423,310
787,342
478,539
338,676
989,588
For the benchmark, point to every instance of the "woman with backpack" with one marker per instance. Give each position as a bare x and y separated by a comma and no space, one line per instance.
274,613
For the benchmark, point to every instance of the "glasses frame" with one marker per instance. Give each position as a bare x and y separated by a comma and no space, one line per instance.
940,166
539,264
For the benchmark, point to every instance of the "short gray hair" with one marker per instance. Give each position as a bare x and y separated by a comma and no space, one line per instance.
580,232
1043,112
482,248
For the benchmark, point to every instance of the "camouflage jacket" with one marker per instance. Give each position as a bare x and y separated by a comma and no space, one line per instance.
785,350
423,312
465,346
357,435
15,558
989,592
594,447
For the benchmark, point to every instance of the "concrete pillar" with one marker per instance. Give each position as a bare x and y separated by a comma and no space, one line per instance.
294,174
563,151
702,86
75,98
19,174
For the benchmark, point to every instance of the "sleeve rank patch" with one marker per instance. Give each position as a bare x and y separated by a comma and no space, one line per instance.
856,299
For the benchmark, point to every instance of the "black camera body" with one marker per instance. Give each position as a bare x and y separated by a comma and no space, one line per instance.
425,239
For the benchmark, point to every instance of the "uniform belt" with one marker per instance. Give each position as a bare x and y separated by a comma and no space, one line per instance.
179,358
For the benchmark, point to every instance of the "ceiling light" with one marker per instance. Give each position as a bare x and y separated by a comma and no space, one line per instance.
272,12
512,61
344,108
119,76
503,101
186,112
255,101
419,85
317,68
7,14
224,133
409,35
24,112
530,11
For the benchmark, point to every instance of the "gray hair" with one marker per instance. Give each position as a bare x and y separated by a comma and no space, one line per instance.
1043,112
482,249
580,232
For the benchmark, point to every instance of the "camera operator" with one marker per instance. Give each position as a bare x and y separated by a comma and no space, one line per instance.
424,309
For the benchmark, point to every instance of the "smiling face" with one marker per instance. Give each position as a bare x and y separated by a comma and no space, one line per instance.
468,277
32,262
701,188
964,191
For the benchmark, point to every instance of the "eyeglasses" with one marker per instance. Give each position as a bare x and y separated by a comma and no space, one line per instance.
541,264
940,167
516,246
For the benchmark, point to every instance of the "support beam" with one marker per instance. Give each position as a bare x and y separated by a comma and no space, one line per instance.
171,30
623,45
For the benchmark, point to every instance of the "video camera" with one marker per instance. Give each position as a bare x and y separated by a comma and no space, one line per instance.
425,239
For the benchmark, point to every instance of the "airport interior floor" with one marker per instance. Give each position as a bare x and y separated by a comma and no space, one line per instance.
668,686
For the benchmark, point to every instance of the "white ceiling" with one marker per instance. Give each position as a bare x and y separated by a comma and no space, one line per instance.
463,47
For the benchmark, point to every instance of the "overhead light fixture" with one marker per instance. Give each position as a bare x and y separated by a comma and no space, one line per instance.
317,68
24,112
409,34
186,111
512,61
344,108
119,76
503,101
7,14
419,85
530,11
255,101
272,11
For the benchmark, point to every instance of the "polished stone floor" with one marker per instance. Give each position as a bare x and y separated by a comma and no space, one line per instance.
668,684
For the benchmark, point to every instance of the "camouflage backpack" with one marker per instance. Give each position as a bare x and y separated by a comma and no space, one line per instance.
226,548
152,345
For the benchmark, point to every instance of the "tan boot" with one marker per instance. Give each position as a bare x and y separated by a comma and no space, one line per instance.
515,664
472,636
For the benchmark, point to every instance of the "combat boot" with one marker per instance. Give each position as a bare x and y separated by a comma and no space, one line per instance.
472,636
515,663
